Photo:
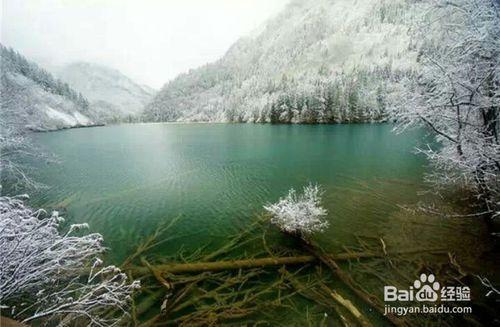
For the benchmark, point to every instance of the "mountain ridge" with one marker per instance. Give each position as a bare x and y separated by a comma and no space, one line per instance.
113,96
341,52
31,98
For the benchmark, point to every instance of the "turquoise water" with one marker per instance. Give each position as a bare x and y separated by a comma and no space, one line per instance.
124,180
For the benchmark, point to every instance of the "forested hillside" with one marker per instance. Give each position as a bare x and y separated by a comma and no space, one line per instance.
31,98
318,61
113,96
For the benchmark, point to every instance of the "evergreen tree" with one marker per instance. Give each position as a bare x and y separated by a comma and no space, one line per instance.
274,115
12,61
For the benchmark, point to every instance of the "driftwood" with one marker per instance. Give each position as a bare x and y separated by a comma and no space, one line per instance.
156,274
209,289
371,300
322,295
196,267
348,305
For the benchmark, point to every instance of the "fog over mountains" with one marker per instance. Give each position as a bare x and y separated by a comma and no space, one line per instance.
318,61
113,96
31,98
82,94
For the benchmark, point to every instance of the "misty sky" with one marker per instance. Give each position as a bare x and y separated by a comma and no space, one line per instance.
151,41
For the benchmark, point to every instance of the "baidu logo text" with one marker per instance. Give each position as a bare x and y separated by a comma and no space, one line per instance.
427,289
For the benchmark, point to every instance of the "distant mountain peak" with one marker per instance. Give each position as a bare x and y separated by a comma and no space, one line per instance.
113,96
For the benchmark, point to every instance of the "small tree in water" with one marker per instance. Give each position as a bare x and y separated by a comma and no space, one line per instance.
299,214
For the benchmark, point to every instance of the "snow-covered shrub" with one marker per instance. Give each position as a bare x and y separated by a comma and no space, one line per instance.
299,214
49,276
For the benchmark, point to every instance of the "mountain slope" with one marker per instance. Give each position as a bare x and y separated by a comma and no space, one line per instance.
318,61
31,98
113,96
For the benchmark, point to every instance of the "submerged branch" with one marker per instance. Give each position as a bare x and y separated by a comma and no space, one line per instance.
224,265
263,262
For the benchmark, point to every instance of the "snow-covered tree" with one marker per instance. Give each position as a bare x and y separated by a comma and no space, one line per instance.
12,61
32,99
42,271
13,140
299,214
52,277
310,47
456,94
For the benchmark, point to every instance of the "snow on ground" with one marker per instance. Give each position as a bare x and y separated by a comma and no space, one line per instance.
81,119
61,116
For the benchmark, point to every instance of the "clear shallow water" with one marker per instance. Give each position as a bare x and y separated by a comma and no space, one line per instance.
125,180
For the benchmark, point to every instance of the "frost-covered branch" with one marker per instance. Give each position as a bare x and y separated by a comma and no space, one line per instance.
299,214
456,94
15,146
41,270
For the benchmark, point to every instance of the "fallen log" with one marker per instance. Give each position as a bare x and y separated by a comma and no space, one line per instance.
371,300
318,297
348,305
196,267
156,274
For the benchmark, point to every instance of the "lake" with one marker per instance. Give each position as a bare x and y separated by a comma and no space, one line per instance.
126,180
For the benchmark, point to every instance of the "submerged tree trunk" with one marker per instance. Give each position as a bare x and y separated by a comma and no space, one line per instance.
369,299
197,267
224,265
